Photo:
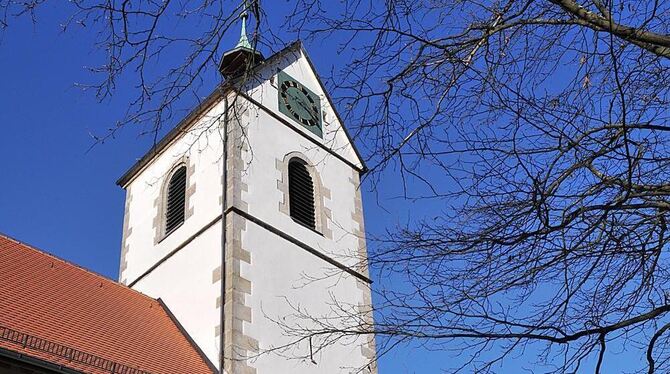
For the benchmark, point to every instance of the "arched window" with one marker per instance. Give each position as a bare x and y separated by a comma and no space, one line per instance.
175,203
301,193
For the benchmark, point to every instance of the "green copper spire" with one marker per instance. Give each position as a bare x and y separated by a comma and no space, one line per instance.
243,56
244,41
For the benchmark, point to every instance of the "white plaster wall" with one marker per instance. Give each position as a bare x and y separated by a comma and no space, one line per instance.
203,147
270,140
279,269
184,283
184,280
277,273
297,66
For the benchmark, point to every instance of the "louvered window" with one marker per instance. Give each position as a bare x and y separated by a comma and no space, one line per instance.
301,193
176,200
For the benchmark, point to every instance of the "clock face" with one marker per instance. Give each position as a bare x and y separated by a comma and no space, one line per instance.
299,103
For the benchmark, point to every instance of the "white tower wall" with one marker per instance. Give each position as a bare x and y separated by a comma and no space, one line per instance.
273,265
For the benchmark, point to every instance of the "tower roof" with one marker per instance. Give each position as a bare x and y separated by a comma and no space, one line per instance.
58,313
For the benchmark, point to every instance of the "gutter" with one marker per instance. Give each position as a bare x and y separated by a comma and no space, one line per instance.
33,361
224,204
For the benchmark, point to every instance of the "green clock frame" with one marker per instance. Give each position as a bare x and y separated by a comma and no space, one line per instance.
299,103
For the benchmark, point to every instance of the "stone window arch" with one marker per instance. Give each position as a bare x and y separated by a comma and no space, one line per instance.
288,166
173,202
301,201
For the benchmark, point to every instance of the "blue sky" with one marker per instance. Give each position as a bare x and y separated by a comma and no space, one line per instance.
58,193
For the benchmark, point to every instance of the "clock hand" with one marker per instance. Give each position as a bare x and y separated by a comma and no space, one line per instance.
302,104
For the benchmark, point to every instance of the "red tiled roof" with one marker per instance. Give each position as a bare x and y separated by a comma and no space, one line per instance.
54,301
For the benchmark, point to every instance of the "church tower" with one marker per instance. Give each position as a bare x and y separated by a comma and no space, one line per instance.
246,221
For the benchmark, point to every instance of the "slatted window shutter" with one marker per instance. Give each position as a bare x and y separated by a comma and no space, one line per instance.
176,200
301,194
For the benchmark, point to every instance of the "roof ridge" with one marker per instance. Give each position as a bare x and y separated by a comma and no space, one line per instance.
66,262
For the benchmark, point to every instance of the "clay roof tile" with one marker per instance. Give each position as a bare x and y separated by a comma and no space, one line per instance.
61,313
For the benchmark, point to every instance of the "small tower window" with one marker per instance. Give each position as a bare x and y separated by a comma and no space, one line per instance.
301,193
176,200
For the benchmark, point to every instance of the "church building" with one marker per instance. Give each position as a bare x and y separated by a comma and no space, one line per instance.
243,233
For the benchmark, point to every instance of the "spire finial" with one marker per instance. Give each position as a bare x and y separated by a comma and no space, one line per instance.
244,41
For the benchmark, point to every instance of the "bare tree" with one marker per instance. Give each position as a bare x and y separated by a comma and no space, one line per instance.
539,127
136,37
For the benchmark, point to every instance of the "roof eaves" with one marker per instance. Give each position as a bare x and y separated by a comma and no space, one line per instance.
63,352
44,364
170,136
